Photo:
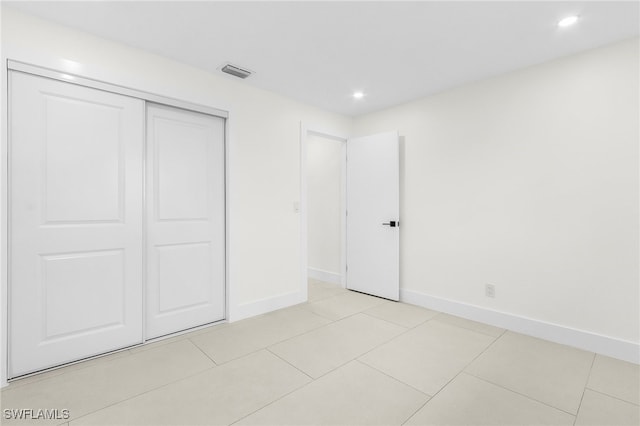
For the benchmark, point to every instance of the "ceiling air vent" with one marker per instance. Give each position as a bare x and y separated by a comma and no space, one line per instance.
235,71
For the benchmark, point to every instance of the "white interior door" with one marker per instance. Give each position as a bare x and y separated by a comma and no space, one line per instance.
373,213
76,217
185,219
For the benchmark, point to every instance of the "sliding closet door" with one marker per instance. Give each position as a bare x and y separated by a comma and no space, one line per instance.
76,212
185,219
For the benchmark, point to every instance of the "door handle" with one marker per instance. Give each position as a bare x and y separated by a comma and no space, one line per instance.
392,223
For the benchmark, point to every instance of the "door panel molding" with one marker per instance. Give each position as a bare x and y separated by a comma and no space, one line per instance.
75,287
185,220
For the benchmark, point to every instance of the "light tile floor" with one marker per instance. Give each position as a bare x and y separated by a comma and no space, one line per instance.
343,358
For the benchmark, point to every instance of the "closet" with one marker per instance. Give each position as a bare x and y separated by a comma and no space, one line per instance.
116,220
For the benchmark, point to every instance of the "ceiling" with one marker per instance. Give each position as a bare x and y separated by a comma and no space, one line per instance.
321,52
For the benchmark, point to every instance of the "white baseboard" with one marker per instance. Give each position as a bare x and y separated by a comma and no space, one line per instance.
609,346
262,306
326,276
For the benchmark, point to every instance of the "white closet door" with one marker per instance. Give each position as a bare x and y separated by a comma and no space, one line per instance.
76,216
185,219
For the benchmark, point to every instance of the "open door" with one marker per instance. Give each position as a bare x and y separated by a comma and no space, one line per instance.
373,213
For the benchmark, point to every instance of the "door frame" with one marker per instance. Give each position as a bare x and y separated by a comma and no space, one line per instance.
5,187
305,132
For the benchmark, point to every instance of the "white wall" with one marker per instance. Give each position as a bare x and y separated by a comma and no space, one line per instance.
324,205
263,155
528,181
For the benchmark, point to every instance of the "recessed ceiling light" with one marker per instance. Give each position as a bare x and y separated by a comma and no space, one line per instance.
358,95
568,21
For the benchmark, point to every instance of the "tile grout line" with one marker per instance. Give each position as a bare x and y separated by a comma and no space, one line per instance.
167,384
382,301
333,321
612,396
274,343
521,394
532,398
312,379
495,339
326,325
395,323
89,362
584,389
501,386
405,331
504,330
141,393
270,403
281,358
267,348
394,378
416,412
215,364
282,396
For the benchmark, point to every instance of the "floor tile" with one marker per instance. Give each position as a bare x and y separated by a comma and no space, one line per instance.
319,293
34,378
468,400
164,340
333,345
428,356
616,378
401,313
354,394
68,368
219,396
342,358
318,283
319,290
598,410
102,384
344,305
253,334
548,372
471,325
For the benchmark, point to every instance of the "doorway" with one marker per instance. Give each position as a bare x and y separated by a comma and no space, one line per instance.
368,209
323,207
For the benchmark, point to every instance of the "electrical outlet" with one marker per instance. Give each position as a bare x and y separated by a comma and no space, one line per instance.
490,290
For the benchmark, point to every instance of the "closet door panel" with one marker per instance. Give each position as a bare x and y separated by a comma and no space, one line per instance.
76,213
185,217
